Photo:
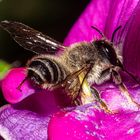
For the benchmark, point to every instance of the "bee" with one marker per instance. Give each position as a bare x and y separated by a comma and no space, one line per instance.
75,68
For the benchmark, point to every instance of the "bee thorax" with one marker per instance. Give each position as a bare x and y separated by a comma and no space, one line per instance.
80,54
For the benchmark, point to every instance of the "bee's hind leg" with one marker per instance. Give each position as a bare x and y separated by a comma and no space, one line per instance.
102,104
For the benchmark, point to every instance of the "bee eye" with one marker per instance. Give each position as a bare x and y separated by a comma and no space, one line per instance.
107,51
110,54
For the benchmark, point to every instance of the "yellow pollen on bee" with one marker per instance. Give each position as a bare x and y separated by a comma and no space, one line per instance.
86,95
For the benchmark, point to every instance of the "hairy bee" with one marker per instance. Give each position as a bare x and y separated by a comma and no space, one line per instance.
95,61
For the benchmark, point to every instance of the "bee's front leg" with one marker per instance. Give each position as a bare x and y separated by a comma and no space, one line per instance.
118,81
103,105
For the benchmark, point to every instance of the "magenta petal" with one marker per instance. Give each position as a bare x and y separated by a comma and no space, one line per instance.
119,13
95,14
132,43
10,83
116,100
86,123
31,97
105,15
25,125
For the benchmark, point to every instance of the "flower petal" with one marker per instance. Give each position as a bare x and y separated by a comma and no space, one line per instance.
105,15
11,82
95,14
132,43
22,124
117,100
87,123
30,97
91,123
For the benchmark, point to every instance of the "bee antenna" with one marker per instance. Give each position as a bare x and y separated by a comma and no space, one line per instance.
19,87
113,35
132,76
98,31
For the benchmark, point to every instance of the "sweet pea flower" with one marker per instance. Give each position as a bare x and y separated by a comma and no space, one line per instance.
40,114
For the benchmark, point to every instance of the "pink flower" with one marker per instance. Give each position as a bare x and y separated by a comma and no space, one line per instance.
36,113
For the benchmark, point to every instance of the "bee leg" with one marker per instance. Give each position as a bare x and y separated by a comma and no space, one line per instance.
103,105
118,81
19,86
86,95
82,90
71,84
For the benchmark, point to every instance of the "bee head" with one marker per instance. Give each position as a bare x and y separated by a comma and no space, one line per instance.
106,49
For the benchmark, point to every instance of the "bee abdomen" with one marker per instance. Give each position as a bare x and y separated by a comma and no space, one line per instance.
46,71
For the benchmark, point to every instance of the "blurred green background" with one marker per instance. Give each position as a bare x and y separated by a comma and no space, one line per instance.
53,17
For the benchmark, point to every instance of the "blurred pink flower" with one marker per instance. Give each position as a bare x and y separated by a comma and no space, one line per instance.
39,117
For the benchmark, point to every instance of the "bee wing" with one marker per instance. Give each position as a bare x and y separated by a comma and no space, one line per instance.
73,85
31,39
